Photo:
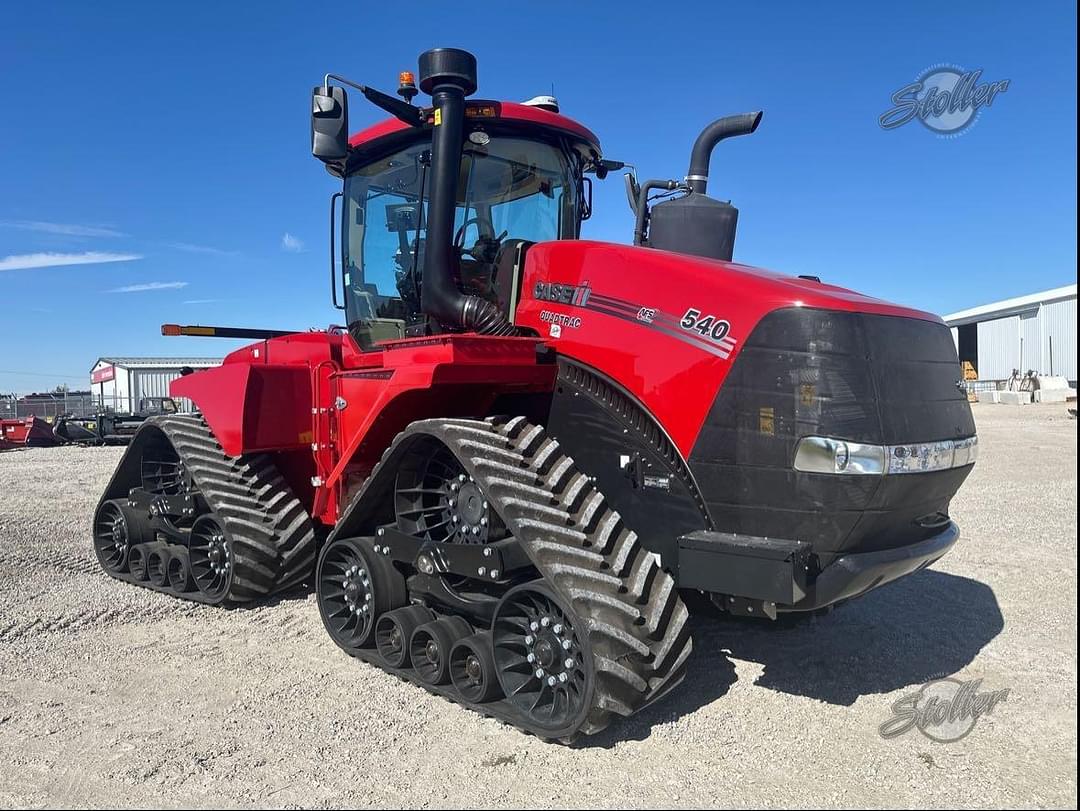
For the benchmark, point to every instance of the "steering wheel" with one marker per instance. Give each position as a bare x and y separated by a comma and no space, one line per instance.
485,248
459,236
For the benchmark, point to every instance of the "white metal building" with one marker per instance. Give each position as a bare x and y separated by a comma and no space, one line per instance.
1036,333
120,383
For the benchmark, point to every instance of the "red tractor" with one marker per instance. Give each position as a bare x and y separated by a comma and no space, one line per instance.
524,450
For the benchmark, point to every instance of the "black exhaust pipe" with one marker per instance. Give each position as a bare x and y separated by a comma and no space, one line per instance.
696,224
448,75
697,178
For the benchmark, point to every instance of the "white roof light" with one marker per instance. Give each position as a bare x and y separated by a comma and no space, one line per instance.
549,103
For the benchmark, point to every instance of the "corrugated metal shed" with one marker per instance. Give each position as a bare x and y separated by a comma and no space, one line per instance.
159,363
1059,325
121,382
1036,332
999,347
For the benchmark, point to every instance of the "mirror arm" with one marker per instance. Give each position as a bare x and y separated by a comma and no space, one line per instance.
641,210
413,116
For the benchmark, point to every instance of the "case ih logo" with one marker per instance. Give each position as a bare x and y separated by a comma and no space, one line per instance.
577,295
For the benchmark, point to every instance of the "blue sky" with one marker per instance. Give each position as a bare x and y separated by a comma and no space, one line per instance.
178,134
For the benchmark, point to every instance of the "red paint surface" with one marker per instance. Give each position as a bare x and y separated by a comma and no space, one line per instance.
330,410
282,395
675,381
505,110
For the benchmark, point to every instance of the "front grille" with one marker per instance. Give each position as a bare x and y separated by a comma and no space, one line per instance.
863,378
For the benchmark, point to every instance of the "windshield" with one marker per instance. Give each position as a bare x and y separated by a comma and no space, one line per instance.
509,189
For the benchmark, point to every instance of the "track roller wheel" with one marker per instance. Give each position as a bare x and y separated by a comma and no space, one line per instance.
211,558
393,631
430,646
179,572
136,560
543,658
472,669
157,563
354,587
113,537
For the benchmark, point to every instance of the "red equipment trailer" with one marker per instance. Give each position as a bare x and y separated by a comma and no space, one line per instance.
523,449
25,431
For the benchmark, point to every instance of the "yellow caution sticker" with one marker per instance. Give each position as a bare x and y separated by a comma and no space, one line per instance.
767,420
438,116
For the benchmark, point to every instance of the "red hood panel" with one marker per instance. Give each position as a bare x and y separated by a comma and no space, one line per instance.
664,325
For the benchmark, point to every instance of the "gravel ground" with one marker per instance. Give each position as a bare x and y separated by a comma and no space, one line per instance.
113,695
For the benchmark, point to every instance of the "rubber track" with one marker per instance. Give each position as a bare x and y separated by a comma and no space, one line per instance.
271,535
636,621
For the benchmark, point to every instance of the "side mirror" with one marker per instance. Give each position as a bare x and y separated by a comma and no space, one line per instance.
329,123
633,191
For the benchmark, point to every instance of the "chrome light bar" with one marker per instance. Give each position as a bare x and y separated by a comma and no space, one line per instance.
817,454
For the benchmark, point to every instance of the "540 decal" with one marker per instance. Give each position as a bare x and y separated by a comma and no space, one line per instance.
708,326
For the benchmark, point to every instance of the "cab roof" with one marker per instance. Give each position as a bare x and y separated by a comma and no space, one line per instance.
494,111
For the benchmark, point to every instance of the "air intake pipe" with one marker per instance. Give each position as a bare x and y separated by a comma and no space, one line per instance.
697,178
448,75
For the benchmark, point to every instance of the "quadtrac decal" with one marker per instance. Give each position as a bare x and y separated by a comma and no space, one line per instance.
559,320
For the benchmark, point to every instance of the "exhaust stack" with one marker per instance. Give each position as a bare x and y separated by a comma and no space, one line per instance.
696,224
448,75
697,177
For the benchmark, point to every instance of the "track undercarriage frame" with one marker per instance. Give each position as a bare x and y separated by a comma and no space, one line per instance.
467,532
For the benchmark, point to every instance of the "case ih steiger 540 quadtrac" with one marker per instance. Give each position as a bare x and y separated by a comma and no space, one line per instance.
524,450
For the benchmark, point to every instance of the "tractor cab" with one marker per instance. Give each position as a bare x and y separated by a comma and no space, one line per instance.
517,185
448,197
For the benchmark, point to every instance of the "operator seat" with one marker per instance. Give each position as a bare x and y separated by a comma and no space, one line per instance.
509,271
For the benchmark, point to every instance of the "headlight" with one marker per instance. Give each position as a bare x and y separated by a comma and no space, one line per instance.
967,451
817,454
823,455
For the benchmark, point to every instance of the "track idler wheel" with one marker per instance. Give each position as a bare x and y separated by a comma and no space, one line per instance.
394,630
543,658
435,499
472,669
114,535
211,558
355,586
430,646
